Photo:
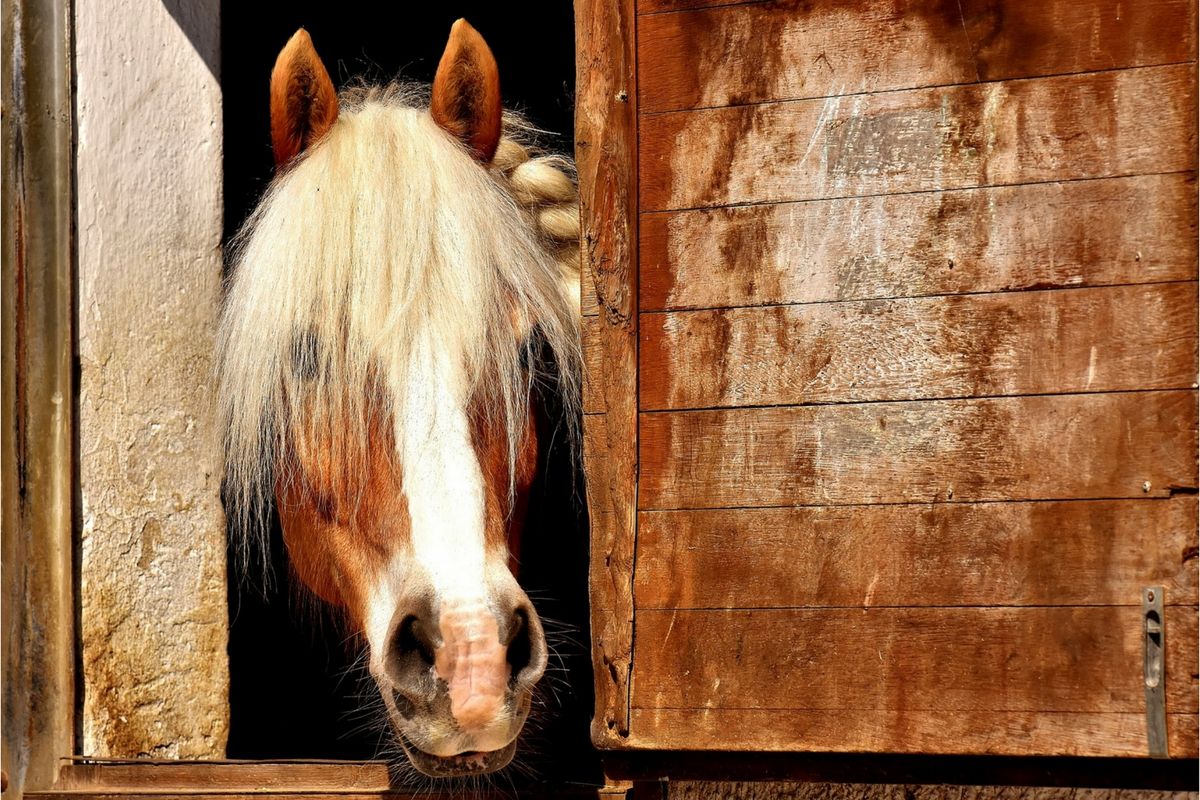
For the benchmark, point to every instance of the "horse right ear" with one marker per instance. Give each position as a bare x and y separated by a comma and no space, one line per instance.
303,101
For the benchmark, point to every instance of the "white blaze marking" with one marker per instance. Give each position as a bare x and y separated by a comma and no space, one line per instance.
442,479
443,485
444,489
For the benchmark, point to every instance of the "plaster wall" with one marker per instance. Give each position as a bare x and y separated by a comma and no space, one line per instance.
152,585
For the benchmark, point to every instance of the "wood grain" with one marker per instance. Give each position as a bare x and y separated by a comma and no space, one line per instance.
659,6
587,290
929,575
1047,129
39,590
1010,733
922,660
1138,444
1076,340
1081,233
605,142
593,365
788,50
862,789
193,777
345,780
1095,552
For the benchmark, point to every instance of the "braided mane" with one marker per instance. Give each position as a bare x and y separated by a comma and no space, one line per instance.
383,241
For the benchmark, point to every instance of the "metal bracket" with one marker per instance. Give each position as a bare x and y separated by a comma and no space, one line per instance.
1154,670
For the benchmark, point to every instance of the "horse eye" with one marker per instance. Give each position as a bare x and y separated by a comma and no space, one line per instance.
325,507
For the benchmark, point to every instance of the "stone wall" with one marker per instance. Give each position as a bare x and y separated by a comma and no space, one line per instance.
154,609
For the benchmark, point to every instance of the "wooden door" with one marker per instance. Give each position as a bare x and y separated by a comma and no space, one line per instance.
891,339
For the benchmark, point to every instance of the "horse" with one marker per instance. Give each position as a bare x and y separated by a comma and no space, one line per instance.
407,283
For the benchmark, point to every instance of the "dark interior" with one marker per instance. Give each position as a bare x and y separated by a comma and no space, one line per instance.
294,690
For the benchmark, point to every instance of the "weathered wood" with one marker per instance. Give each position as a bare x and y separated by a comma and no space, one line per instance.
1012,733
587,290
973,661
605,142
1080,233
593,366
781,51
193,777
1105,124
224,779
1077,340
883,174
39,411
1095,552
920,772
766,790
658,6
1137,444
238,795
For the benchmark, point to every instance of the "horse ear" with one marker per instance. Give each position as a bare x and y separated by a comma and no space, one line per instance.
466,92
303,101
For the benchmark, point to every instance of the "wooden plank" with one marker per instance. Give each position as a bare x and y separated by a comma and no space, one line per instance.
402,794
587,289
1095,552
1076,340
861,789
973,661
538,792
1137,444
1081,233
216,779
593,365
605,148
906,776
753,53
659,6
205,777
1104,124
756,53
1008,733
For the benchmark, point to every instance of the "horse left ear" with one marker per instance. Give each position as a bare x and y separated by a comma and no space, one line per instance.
466,92
304,104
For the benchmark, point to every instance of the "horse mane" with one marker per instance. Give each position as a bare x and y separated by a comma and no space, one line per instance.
384,243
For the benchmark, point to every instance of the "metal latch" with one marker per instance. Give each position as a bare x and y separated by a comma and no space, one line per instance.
1154,670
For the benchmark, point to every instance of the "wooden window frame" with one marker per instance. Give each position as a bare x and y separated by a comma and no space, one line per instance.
39,486
40,479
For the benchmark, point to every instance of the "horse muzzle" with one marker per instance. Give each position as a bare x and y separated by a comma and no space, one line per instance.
457,681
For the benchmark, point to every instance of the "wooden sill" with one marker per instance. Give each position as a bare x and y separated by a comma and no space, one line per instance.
217,780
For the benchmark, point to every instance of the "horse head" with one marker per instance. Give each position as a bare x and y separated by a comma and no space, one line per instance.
393,303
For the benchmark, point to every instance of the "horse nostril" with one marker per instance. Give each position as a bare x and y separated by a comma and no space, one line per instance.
413,640
518,644
409,664
526,649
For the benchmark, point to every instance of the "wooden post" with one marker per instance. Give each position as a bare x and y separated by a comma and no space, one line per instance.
38,395
606,155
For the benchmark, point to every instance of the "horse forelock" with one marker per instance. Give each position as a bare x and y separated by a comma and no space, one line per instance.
379,264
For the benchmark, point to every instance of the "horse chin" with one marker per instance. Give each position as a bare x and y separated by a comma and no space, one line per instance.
461,765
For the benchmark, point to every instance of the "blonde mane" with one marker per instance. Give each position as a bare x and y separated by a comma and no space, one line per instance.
384,243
